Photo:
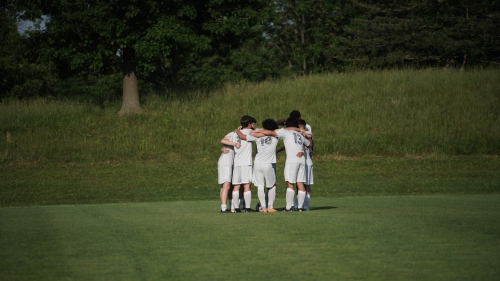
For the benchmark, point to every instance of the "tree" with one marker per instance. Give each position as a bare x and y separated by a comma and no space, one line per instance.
84,37
305,34
423,33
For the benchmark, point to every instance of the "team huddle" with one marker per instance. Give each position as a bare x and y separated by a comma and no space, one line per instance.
236,173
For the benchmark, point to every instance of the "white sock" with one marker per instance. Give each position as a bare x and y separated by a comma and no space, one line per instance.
271,194
262,196
248,199
301,196
290,194
306,201
223,207
236,201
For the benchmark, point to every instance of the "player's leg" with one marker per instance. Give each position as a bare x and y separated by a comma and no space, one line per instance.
307,185
224,178
247,183
258,180
290,179
230,197
224,194
301,190
236,181
271,195
270,177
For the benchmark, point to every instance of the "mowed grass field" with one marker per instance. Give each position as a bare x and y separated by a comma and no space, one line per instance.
449,237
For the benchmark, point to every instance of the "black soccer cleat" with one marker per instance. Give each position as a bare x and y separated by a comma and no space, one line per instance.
288,210
257,207
249,210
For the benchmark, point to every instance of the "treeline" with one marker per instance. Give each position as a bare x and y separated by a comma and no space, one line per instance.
83,48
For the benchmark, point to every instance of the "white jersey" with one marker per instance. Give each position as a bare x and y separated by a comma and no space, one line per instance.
308,129
293,141
243,155
307,155
227,159
266,149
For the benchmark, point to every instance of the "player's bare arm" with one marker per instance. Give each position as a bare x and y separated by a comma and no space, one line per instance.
227,141
240,134
264,133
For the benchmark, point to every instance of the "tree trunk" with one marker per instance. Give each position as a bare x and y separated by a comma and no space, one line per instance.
130,102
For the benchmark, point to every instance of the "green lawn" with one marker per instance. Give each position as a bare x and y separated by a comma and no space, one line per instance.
448,237
160,181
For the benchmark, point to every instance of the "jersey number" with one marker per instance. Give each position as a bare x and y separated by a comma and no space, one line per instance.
298,138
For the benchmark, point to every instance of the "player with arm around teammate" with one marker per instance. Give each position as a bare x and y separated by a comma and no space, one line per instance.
294,171
295,114
264,170
309,165
225,168
242,167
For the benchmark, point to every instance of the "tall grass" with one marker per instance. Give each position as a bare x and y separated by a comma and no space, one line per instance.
365,113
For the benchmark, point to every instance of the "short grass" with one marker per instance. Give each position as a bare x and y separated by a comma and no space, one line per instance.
451,237
156,181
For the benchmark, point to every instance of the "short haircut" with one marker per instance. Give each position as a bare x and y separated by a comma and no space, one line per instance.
291,122
246,120
269,124
295,114
301,122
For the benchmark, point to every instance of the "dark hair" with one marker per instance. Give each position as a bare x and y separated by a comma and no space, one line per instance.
245,120
269,124
301,122
295,114
291,122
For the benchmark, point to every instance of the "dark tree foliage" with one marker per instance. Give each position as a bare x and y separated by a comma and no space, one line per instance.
19,78
175,45
423,33
170,43
305,34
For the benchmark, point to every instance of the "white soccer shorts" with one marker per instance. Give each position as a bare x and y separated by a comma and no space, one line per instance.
225,173
242,175
309,175
264,173
295,172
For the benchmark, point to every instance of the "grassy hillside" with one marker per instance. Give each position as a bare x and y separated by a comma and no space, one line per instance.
368,113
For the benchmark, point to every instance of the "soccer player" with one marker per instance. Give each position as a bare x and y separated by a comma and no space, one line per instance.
309,165
294,166
295,114
264,171
225,168
242,167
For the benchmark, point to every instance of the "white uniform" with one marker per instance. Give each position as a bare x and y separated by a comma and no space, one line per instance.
294,166
265,160
225,164
309,166
308,129
242,171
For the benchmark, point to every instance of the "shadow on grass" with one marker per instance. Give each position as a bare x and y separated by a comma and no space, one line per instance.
313,208
322,208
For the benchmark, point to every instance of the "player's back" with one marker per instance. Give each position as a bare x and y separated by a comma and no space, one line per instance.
293,144
243,155
266,149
